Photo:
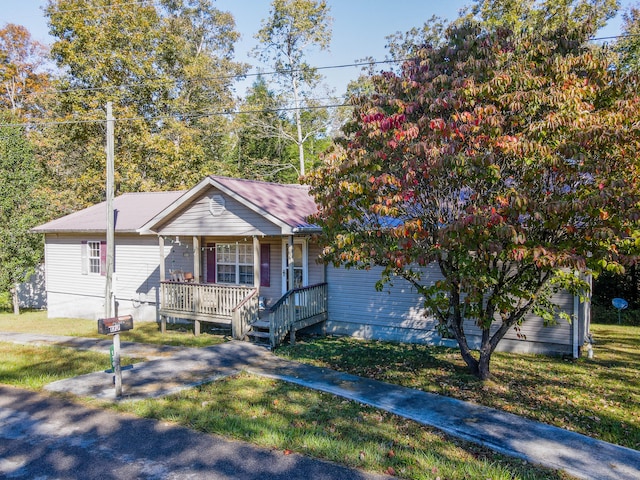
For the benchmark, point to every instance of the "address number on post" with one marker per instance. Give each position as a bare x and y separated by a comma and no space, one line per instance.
113,325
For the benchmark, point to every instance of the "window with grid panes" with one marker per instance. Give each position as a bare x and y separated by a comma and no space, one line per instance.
93,257
234,263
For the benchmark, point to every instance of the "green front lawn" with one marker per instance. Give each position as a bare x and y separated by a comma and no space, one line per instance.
599,397
143,332
282,416
32,367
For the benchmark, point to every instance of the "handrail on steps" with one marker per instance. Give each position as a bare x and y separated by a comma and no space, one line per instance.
296,304
244,314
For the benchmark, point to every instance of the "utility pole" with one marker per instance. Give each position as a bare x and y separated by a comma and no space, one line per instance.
108,294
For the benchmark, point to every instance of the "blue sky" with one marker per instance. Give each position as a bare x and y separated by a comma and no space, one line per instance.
359,27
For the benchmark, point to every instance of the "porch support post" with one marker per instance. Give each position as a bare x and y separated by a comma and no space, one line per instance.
256,263
196,278
292,299
163,319
197,275
290,265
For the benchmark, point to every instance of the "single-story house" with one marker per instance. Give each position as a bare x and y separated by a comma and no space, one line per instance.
241,253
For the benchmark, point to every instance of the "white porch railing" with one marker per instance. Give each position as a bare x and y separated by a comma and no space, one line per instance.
207,302
244,315
298,308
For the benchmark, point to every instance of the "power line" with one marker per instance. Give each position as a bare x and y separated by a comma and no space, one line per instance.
176,115
615,37
238,76
242,76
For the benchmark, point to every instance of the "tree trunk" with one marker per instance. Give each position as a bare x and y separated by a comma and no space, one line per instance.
483,365
465,352
472,363
15,300
478,367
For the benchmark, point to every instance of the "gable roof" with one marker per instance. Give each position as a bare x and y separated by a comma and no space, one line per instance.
286,205
132,210
290,203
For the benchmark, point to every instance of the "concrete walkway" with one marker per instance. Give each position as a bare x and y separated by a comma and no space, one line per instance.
535,442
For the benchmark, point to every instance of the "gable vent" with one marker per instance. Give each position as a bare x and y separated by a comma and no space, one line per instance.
216,205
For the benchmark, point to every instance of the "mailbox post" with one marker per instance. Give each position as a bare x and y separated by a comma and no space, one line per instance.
113,326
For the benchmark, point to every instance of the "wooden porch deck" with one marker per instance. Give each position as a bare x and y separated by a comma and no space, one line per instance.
237,307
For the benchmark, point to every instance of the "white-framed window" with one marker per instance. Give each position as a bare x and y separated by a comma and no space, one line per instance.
234,263
93,257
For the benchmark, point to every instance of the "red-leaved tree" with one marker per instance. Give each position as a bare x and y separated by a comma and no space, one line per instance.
509,159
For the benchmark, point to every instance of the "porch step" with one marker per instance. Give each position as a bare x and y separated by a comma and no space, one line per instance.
261,325
259,335
259,332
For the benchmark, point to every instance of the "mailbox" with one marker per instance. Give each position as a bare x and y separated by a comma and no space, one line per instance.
111,326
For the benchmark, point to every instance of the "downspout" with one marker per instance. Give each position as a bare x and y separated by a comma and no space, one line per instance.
163,277
575,325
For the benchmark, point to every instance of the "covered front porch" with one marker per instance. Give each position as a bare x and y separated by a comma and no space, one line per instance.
240,254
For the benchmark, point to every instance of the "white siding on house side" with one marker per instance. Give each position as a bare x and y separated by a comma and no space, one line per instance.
136,276
397,314
316,269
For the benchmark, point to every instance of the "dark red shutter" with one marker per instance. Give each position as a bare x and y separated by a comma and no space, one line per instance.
265,265
211,262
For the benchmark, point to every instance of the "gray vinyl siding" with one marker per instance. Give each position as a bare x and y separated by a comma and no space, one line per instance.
236,220
136,277
397,314
179,255
356,308
316,269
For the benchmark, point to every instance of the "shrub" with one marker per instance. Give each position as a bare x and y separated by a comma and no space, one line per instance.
5,301
609,315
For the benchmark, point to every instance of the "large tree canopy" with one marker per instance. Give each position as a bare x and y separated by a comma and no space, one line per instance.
22,73
168,68
508,158
22,205
293,28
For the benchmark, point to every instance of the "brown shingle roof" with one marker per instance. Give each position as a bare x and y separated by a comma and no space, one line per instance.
132,211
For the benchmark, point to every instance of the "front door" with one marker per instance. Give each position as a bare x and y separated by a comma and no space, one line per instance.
300,272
